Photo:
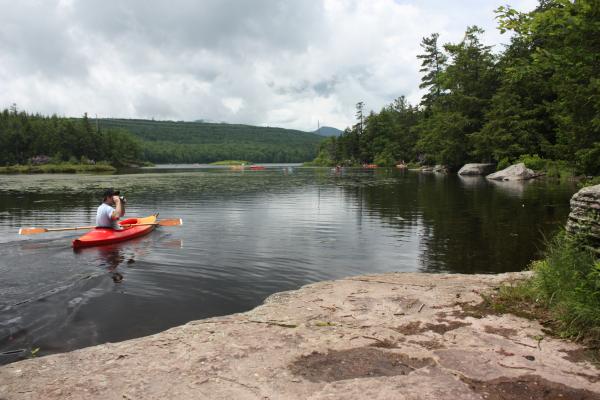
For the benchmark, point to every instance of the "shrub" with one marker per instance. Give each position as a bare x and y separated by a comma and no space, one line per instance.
385,159
534,162
322,160
588,160
590,182
558,169
504,163
568,281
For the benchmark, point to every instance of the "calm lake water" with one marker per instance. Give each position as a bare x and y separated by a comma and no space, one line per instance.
245,236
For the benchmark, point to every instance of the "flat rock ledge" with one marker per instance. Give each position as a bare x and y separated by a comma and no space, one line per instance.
388,336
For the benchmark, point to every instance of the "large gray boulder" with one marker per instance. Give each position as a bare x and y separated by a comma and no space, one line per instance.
476,169
584,219
517,172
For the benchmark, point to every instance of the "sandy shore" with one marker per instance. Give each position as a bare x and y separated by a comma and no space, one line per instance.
388,336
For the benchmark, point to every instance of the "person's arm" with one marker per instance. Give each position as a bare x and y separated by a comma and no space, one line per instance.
119,208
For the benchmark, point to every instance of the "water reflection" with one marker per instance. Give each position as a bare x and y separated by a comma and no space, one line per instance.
511,188
469,225
113,257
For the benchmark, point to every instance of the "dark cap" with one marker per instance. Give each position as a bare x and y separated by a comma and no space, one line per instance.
110,192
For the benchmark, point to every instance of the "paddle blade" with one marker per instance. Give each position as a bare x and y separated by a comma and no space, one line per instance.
31,231
170,222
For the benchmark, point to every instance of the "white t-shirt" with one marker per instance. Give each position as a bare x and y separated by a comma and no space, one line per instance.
104,216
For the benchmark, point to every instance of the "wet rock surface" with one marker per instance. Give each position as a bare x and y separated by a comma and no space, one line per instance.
527,387
389,336
362,362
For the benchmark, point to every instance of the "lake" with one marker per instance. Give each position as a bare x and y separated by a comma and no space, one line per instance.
246,235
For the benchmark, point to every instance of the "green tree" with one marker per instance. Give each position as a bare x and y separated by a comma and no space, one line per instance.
468,82
563,38
433,63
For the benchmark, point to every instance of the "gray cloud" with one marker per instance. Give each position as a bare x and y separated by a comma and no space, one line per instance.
35,41
229,26
267,62
325,87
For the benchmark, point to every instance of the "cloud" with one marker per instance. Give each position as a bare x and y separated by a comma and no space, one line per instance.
266,62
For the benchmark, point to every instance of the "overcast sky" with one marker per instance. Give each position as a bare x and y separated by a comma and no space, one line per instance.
285,63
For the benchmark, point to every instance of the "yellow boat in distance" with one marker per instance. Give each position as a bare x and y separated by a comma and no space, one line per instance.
237,167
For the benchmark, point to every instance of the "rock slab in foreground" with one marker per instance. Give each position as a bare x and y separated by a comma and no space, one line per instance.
584,218
390,336
517,172
475,169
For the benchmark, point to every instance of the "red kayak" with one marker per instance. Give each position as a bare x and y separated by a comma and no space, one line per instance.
102,236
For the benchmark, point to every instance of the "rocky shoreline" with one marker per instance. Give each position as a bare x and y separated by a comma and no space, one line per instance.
387,336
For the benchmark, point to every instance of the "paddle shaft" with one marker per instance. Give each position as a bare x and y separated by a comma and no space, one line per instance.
165,222
94,226
68,229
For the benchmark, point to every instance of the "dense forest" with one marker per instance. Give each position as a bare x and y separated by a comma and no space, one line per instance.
537,99
31,138
27,138
201,142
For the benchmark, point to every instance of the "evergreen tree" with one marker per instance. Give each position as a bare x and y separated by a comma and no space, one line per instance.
433,63
469,81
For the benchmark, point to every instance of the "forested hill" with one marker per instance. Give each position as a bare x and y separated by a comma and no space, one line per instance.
201,142
328,131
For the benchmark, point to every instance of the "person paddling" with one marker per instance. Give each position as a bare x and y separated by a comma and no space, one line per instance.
107,216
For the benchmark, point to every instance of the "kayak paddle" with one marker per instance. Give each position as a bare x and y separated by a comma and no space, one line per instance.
162,222
33,231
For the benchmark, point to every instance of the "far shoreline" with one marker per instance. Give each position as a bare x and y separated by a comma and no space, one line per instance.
60,168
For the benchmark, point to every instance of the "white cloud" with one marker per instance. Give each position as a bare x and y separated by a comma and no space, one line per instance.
264,62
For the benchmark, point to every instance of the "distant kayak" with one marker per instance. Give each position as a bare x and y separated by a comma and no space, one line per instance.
257,168
102,236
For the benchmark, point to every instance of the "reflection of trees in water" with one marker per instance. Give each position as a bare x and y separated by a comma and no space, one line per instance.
470,226
17,206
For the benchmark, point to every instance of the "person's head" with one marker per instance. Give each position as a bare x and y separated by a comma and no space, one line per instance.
108,196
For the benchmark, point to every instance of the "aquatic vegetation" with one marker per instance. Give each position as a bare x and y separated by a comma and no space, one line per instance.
67,168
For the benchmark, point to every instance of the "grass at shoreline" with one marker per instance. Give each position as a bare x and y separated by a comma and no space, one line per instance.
62,168
231,162
563,293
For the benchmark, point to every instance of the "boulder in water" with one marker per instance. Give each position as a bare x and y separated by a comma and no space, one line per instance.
517,172
442,169
476,169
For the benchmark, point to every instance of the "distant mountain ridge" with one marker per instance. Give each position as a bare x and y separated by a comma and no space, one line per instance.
328,131
202,142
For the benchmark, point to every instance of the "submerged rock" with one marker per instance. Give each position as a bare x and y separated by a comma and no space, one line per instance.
517,172
476,169
386,336
434,168
584,218
442,169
